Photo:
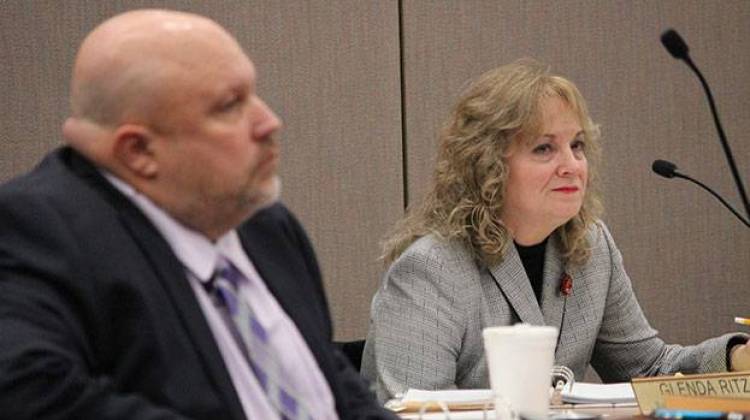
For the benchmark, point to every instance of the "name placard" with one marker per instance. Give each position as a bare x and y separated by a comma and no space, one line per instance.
650,392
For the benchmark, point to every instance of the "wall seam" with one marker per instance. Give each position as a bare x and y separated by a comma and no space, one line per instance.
404,148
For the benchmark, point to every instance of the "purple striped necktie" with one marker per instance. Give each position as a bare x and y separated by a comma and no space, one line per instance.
253,340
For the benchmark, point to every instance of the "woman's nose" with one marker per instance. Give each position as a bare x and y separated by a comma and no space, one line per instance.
569,163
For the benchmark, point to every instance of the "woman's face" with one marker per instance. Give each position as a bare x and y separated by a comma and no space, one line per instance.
547,176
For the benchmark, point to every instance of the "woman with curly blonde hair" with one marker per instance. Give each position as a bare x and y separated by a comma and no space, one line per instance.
509,232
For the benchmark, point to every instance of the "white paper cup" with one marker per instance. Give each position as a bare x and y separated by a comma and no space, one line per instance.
520,360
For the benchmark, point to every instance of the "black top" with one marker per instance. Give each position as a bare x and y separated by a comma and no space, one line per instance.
532,258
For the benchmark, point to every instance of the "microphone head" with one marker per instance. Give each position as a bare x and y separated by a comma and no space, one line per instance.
664,168
674,43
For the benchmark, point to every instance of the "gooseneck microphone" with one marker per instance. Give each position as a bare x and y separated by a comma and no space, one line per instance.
677,47
664,168
669,170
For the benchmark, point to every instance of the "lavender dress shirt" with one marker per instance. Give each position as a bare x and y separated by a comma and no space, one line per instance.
199,256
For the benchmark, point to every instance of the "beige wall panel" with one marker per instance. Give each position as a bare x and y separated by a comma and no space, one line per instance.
689,259
329,68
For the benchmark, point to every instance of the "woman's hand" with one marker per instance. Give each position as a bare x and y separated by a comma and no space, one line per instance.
739,358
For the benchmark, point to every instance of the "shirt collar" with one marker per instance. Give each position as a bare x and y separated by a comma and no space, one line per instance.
194,250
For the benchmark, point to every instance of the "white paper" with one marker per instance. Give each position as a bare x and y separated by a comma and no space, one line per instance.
449,396
587,393
454,415
582,393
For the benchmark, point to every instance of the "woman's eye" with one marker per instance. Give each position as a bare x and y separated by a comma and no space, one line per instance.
579,145
542,149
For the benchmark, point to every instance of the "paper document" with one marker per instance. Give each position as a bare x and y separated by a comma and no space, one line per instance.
454,399
451,396
476,399
587,393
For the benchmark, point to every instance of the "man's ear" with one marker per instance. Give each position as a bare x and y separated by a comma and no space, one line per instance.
134,149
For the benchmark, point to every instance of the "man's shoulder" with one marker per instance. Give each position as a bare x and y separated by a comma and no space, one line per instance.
275,213
52,177
274,217
275,222
60,191
49,216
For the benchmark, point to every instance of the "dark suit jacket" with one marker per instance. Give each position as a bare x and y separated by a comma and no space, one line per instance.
98,321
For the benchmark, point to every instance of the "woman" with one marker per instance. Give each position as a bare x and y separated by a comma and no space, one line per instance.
509,233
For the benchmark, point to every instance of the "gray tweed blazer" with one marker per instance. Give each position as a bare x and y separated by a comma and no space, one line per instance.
427,319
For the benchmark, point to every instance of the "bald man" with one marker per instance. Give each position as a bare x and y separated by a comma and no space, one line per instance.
147,270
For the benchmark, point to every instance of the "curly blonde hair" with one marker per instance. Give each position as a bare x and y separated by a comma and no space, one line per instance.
496,111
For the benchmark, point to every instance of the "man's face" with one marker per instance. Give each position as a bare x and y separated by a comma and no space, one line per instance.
219,153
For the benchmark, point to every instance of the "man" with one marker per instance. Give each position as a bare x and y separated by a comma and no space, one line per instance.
146,268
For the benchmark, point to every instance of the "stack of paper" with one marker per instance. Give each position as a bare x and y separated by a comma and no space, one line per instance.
587,393
477,399
454,399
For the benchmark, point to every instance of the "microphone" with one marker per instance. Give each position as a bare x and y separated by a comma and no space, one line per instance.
664,168
677,47
669,170
674,43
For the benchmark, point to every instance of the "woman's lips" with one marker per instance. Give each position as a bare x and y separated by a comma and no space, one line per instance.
566,189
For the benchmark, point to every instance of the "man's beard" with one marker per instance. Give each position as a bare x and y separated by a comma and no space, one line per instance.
266,198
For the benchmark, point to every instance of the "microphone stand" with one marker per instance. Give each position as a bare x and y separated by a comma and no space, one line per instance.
714,113
705,187
669,170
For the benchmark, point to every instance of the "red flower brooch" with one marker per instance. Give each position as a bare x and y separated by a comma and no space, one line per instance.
566,284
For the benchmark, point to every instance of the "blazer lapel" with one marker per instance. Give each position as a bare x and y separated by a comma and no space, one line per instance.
552,301
268,261
511,277
172,276
267,251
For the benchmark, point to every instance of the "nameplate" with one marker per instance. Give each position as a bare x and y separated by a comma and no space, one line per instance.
651,392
